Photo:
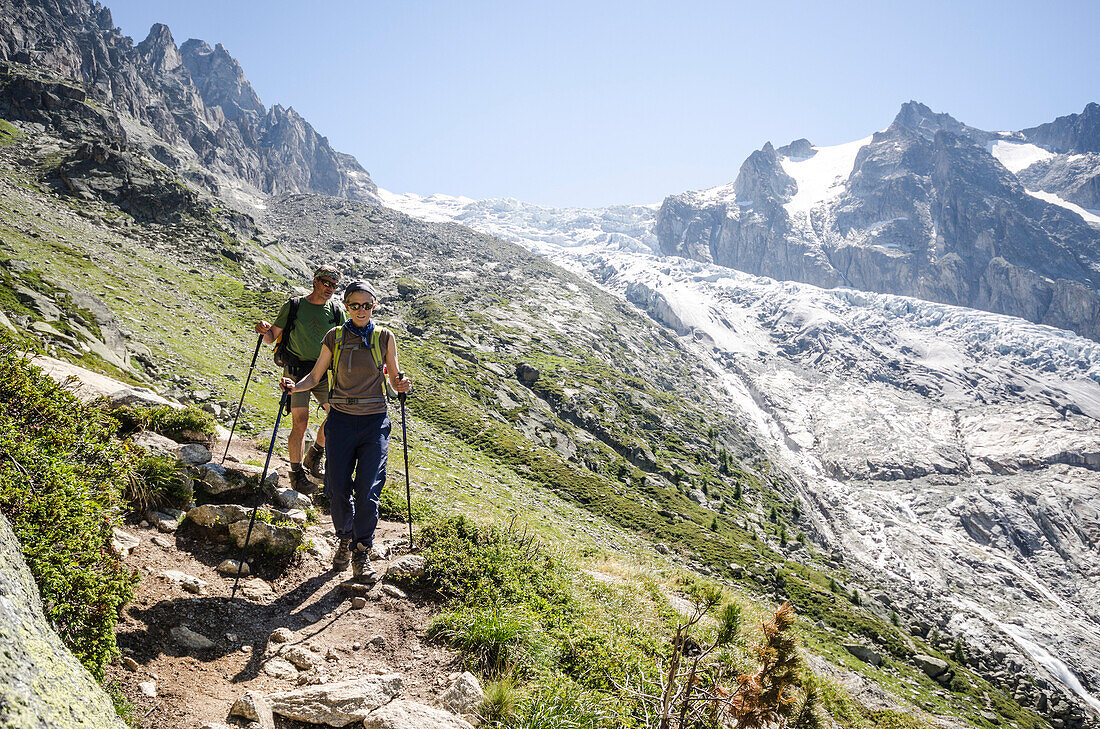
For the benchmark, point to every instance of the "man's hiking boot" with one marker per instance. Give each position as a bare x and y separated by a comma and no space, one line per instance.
360,566
314,462
301,483
342,557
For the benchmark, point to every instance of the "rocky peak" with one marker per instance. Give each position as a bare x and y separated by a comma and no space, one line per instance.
159,49
220,80
919,118
761,178
1070,134
798,149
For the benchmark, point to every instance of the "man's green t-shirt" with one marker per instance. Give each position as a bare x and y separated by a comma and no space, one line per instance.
310,326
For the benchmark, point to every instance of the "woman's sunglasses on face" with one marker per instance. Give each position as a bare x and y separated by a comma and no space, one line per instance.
357,306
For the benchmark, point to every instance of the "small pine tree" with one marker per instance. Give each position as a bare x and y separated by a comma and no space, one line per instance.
855,598
808,716
958,653
714,524
737,491
782,535
834,586
802,538
894,619
773,515
796,508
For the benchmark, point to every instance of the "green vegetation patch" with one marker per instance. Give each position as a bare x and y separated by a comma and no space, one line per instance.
62,473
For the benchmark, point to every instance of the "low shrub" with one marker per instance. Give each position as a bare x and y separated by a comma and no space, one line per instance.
62,473
158,481
494,640
183,425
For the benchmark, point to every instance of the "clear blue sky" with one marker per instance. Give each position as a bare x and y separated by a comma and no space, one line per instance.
593,103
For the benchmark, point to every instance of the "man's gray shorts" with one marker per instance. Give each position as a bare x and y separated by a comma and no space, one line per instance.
301,399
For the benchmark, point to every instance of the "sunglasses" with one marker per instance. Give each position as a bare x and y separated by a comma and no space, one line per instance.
327,282
357,306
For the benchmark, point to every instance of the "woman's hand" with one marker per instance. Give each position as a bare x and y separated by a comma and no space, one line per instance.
287,384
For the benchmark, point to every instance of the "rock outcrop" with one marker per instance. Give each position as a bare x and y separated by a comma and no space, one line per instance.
42,685
194,98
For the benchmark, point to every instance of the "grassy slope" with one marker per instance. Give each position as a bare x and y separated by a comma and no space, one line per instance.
596,508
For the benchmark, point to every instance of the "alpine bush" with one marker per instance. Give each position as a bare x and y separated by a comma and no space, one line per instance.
62,472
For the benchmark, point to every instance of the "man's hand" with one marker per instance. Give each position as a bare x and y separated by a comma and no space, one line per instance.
287,384
263,327
403,385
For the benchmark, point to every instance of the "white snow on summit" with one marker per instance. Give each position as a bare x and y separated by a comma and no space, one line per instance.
821,177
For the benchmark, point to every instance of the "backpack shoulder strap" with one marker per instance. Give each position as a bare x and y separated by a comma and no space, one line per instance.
376,348
335,362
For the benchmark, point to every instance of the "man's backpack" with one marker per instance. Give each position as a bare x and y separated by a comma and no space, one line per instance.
282,355
295,365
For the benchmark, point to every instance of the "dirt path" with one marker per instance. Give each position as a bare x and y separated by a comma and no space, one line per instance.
197,686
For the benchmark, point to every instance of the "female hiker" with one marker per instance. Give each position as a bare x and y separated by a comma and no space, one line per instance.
358,427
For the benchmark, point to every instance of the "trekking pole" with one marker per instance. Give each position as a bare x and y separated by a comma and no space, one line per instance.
284,404
251,367
405,445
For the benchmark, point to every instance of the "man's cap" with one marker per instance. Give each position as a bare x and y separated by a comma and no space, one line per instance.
360,285
327,271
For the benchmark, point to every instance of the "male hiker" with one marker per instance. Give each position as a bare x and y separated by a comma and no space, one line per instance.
304,321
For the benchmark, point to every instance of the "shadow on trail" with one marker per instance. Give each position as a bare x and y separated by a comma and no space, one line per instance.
214,617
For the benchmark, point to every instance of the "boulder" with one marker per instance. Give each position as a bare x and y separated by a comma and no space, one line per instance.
256,589
408,568
275,539
216,518
253,707
139,397
337,704
156,444
465,695
234,479
281,635
190,639
281,668
527,374
189,582
302,657
166,519
123,543
932,667
231,568
291,499
41,683
403,714
864,653
194,454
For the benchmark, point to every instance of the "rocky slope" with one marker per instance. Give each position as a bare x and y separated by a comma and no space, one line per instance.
190,107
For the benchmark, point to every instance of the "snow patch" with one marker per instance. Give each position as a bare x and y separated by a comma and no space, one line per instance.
821,177
1017,156
1092,217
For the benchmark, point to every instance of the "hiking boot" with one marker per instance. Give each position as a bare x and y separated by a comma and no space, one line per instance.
314,462
360,566
342,557
301,483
